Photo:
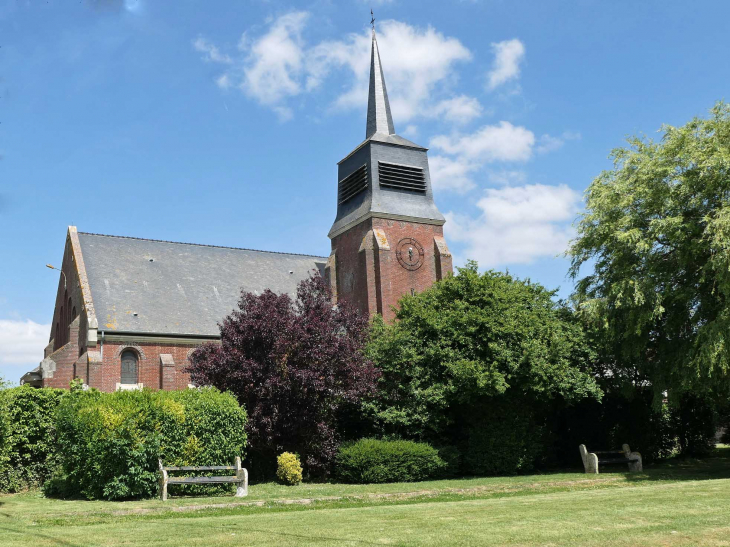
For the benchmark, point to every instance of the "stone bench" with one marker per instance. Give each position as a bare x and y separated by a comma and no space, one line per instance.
240,477
591,460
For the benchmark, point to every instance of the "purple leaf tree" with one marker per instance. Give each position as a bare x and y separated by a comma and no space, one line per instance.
293,364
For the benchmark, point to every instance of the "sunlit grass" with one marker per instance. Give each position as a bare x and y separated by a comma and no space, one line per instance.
681,502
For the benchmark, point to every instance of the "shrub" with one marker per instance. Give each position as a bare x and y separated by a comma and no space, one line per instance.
4,438
376,461
686,426
452,459
109,443
289,469
504,440
27,435
696,421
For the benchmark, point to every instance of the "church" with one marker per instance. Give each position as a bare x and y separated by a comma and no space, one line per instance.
129,311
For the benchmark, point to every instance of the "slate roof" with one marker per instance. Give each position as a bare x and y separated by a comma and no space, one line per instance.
162,287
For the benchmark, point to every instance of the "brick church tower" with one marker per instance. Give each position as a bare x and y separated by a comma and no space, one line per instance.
387,238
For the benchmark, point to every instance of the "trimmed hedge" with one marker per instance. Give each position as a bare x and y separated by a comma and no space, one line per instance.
109,443
376,461
503,439
27,435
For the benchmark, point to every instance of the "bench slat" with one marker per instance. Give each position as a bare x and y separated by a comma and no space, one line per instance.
608,452
202,468
201,480
614,460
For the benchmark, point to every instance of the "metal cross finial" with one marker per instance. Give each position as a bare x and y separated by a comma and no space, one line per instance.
372,18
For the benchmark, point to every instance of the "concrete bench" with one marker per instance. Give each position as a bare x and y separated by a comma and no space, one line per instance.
591,460
241,477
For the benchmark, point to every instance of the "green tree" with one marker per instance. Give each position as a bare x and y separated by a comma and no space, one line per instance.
656,235
468,340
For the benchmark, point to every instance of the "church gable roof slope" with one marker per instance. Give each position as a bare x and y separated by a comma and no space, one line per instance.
168,288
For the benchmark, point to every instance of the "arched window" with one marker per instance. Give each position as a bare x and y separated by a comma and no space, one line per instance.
71,311
129,367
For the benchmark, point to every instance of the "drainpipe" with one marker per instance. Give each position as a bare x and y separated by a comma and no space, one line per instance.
101,347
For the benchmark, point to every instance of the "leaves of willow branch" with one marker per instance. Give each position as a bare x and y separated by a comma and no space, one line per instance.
656,233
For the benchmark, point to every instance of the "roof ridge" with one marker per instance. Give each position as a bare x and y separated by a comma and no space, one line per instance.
202,245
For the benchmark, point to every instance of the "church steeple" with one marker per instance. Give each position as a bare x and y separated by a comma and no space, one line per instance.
379,117
387,237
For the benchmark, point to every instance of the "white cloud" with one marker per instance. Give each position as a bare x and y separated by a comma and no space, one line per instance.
461,109
22,342
507,58
516,224
284,113
448,174
410,131
274,63
133,6
417,63
419,67
501,142
224,81
507,177
548,143
212,53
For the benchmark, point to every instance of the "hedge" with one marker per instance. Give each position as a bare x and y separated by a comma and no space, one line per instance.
376,461
109,443
504,439
27,435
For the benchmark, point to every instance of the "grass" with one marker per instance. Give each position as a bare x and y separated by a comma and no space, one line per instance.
681,502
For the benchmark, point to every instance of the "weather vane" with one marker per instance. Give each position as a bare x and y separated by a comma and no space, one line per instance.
372,19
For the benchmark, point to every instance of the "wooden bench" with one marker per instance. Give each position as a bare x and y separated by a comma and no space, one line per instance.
241,477
625,456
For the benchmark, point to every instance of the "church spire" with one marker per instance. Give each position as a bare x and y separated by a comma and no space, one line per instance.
379,117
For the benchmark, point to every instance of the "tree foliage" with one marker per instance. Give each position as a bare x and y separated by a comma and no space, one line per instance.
293,364
469,339
656,234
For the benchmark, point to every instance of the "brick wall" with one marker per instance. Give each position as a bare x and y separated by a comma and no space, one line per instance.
155,370
68,299
368,272
60,363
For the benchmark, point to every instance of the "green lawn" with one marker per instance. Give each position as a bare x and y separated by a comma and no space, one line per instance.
676,503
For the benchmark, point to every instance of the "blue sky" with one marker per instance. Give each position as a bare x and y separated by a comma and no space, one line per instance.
222,122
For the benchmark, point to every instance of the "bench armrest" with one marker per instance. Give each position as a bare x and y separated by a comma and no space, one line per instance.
590,460
636,464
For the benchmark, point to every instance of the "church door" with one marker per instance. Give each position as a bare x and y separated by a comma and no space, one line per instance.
129,367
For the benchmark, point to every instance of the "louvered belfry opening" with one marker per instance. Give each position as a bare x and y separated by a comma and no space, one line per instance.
352,184
402,177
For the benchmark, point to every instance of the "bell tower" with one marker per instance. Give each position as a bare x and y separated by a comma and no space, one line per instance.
387,238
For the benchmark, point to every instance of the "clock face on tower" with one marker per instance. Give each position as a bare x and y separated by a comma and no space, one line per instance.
409,253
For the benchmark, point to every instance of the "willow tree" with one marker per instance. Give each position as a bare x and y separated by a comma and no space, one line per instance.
652,256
